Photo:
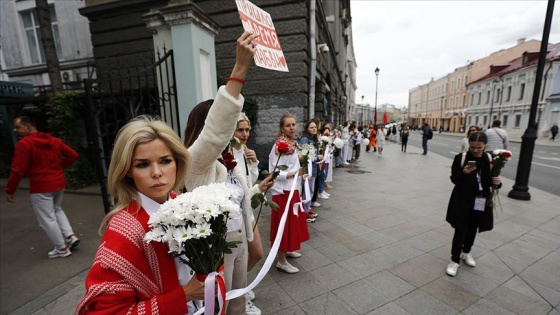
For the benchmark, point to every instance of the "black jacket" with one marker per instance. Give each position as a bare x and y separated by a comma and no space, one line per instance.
465,191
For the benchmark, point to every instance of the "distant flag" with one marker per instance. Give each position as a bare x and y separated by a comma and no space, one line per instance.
385,120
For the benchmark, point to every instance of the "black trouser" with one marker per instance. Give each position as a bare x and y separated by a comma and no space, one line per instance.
316,190
357,149
403,144
463,239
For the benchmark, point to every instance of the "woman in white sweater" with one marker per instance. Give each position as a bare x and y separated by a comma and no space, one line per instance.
206,138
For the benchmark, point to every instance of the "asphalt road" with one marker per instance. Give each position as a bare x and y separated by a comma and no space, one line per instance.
545,166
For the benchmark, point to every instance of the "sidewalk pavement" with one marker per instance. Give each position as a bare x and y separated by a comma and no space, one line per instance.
380,246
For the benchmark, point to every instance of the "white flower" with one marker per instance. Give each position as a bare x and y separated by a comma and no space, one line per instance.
202,230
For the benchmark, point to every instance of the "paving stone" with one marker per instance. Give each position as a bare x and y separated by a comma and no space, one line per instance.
468,280
359,245
414,274
302,286
333,276
311,260
517,302
326,304
533,290
378,238
272,298
359,266
358,229
451,294
524,251
336,251
389,309
545,272
483,306
419,302
339,234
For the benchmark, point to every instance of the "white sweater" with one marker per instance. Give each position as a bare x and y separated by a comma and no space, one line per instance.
218,130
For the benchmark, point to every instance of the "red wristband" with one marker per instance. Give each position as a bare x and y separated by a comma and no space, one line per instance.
236,79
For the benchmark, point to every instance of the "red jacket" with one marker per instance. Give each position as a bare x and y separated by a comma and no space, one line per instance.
43,158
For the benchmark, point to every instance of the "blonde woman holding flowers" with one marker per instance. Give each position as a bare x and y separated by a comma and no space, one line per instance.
284,152
148,163
469,209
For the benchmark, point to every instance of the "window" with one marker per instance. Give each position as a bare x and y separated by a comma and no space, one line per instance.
456,101
504,120
497,96
33,35
476,121
472,99
463,103
470,120
479,97
517,120
521,91
487,97
484,118
508,95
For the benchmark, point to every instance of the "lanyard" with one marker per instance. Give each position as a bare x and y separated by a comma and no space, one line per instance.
479,180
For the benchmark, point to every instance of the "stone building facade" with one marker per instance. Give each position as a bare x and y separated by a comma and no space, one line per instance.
119,36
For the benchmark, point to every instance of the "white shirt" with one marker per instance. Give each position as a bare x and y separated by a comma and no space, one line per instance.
184,272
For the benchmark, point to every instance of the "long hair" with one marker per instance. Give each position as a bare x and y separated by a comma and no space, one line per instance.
472,127
243,117
306,133
196,121
282,120
140,130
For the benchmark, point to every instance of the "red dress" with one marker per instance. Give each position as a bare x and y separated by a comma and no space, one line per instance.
295,230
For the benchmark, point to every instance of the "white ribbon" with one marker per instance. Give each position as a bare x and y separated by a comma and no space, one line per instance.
269,259
299,205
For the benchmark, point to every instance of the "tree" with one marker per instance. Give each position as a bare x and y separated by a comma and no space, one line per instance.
47,39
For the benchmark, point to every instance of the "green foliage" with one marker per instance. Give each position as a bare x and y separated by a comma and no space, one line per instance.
64,123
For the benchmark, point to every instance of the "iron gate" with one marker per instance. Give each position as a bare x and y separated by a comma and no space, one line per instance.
117,96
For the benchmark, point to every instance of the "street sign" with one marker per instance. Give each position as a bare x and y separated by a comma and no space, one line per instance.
16,89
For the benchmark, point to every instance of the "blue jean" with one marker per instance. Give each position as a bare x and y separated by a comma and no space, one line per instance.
322,176
425,145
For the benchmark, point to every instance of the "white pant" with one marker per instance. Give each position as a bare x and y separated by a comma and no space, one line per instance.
235,270
51,217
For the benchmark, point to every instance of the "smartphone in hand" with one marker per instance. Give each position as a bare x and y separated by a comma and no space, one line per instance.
471,163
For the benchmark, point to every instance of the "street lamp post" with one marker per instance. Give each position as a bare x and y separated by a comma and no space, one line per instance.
376,77
362,118
520,190
441,115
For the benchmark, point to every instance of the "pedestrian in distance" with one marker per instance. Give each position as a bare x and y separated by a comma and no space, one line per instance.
497,137
380,139
553,131
295,230
465,141
427,134
372,138
149,163
468,209
404,138
43,157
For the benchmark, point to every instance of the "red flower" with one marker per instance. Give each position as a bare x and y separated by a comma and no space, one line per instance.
506,154
327,134
228,160
282,147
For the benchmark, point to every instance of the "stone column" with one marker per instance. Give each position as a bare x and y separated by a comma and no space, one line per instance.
185,28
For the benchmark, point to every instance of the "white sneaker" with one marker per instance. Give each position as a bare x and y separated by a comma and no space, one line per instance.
286,267
452,269
468,259
345,163
315,204
293,254
326,193
322,196
250,295
251,309
59,253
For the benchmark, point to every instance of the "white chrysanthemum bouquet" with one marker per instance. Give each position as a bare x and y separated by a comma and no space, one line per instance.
194,224
306,152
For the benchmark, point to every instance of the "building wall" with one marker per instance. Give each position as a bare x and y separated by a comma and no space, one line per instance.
119,34
73,29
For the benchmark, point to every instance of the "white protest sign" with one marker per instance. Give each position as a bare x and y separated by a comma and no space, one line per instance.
268,53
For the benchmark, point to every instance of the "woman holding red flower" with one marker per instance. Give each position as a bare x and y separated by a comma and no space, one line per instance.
285,153
469,209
